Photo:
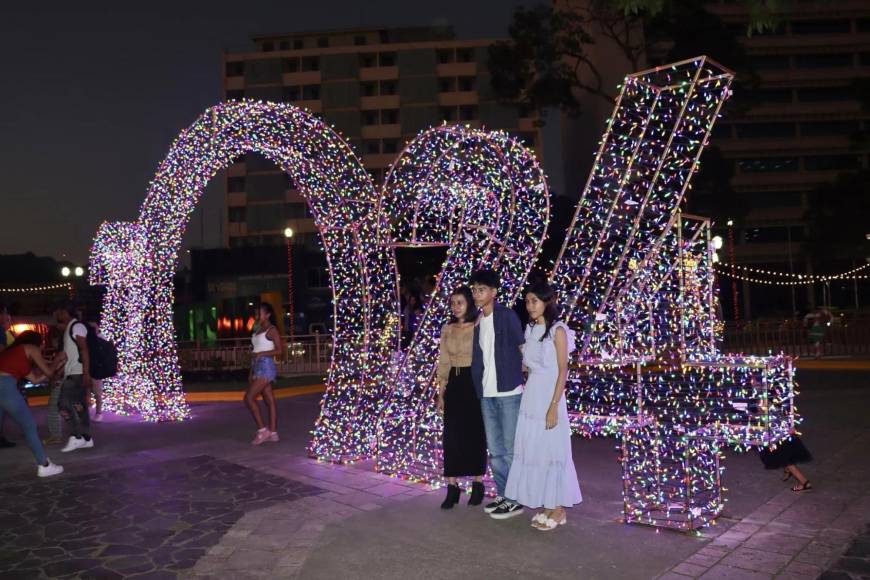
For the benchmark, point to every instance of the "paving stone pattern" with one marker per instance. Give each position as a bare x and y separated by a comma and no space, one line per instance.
854,563
148,521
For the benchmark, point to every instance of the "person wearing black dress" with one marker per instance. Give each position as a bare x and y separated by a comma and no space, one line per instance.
464,437
786,456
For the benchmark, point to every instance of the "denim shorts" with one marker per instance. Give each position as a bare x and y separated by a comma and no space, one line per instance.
264,367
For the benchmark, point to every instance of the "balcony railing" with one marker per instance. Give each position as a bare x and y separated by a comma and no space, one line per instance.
308,354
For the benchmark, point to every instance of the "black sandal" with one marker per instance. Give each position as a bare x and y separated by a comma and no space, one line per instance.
805,486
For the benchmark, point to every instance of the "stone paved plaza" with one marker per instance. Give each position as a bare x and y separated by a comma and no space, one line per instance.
195,500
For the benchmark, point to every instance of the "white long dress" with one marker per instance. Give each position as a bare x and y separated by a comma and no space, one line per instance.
542,473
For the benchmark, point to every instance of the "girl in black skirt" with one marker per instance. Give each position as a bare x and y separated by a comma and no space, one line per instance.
464,438
786,456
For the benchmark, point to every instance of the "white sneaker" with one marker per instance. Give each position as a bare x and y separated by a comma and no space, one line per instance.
262,435
49,469
98,417
77,443
273,437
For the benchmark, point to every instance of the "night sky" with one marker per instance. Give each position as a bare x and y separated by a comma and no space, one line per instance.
94,93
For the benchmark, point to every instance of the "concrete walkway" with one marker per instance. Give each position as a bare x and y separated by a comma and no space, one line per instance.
194,499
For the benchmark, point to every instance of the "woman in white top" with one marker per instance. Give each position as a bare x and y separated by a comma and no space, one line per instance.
267,343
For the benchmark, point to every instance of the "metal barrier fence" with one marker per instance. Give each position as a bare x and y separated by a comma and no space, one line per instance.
307,355
842,337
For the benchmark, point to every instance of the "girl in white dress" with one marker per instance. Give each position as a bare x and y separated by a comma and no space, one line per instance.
543,473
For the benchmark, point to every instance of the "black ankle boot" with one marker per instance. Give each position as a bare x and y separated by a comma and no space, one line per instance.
452,497
476,493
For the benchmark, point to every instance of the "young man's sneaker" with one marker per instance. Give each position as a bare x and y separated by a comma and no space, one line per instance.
49,469
507,509
273,437
77,443
494,504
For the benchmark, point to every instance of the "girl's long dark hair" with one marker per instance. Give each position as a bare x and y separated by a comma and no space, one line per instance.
545,293
470,310
271,311
28,337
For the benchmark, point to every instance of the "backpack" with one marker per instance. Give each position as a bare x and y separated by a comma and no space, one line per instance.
104,355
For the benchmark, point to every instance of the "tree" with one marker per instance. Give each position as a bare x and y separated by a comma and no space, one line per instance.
545,63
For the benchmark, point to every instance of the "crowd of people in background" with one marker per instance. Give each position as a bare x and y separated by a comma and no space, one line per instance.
70,362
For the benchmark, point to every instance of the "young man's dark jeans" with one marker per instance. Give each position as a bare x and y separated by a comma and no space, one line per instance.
73,404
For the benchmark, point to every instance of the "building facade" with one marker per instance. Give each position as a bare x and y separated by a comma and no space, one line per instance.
377,87
792,134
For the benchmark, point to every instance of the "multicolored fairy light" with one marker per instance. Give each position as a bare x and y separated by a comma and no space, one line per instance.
636,281
483,196
136,262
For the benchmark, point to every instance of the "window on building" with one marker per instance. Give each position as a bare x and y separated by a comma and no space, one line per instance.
237,242
239,159
838,60
864,59
236,215
310,63
368,59
318,278
467,113
376,174
372,146
446,55
268,46
822,94
235,184
291,65
820,27
862,25
768,164
466,84
390,146
235,68
292,93
295,210
370,117
369,89
311,92
359,40
235,95
768,96
464,55
298,44
773,234
528,139
323,42
389,116
449,113
831,162
829,128
284,45
387,59
767,199
722,130
389,88
764,130
769,62
447,84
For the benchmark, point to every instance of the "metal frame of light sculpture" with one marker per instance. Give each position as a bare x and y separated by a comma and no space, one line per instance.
484,197
636,280
137,262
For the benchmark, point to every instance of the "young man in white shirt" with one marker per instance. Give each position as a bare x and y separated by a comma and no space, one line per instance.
497,372
76,378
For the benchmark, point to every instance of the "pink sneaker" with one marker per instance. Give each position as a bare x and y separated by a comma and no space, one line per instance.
273,437
262,436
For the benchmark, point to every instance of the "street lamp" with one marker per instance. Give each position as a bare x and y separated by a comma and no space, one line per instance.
731,258
288,235
65,272
79,271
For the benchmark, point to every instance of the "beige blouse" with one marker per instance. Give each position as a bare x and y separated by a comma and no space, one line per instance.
456,345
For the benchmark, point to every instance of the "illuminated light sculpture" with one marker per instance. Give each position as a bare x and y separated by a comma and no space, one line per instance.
483,196
636,280
136,262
